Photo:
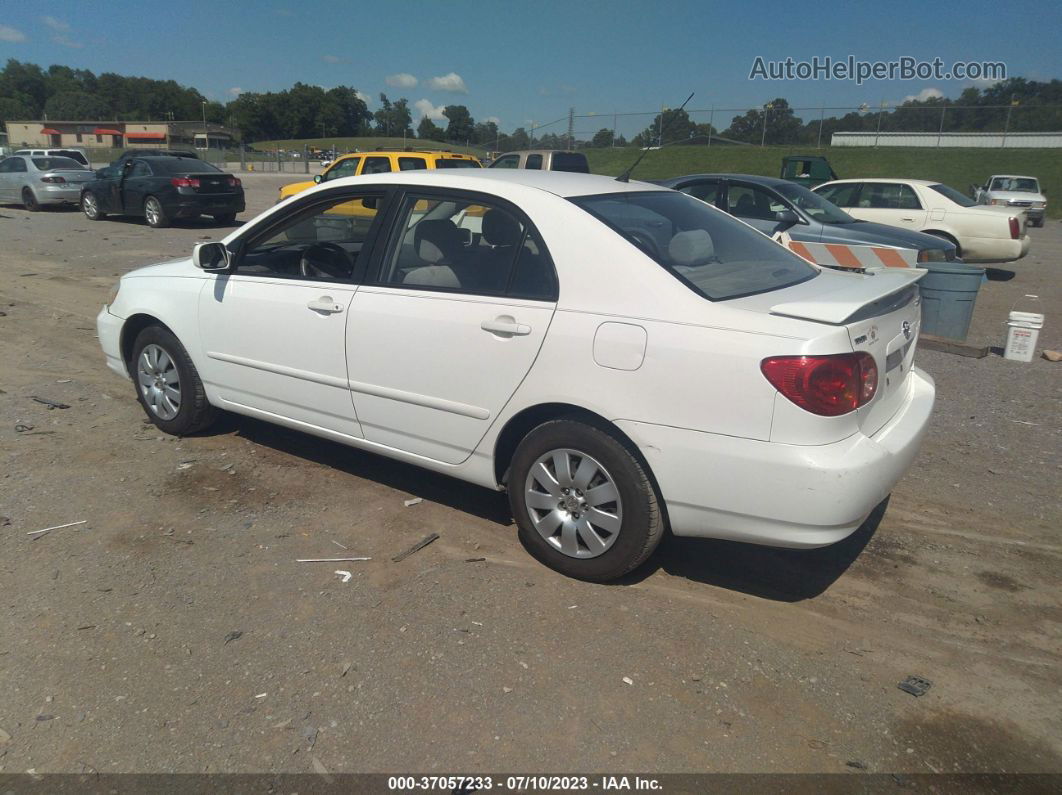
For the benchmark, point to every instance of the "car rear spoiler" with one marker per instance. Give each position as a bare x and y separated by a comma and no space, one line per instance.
837,305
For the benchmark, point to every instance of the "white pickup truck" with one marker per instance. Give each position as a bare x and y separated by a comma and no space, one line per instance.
1007,190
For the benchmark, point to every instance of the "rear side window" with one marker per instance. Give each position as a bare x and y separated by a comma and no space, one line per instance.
455,163
705,191
570,161
715,255
533,161
411,163
376,165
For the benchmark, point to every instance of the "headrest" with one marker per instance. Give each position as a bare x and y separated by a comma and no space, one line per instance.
436,241
694,247
500,228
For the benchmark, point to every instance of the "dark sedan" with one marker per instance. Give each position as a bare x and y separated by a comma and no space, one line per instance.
777,205
162,189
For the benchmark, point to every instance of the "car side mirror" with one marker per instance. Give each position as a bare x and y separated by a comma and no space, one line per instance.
317,178
213,257
787,217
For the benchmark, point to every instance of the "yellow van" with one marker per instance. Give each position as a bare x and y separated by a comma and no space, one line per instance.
382,161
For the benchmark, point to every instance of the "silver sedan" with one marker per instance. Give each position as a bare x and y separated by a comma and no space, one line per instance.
36,180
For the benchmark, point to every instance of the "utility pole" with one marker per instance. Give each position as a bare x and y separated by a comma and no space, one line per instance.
660,126
881,112
1006,127
711,118
614,130
571,126
822,114
766,111
940,131
206,132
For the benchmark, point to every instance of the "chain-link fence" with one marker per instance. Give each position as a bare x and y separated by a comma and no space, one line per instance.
939,124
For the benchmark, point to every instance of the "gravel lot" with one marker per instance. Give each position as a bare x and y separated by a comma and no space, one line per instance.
174,631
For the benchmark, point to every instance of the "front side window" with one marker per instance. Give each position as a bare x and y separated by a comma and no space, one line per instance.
140,169
344,168
325,242
715,255
466,246
705,191
509,161
12,164
376,165
888,196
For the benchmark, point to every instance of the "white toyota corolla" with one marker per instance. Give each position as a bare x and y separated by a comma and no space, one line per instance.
620,357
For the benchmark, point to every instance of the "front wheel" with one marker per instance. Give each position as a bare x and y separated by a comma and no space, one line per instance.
168,385
29,200
583,502
154,214
90,205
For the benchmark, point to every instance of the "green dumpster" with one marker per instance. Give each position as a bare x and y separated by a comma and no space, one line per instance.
949,292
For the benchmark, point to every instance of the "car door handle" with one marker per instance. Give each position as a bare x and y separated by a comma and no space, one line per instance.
907,219
325,305
506,326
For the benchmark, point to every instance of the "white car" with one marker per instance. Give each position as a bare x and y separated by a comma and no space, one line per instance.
1018,193
982,234
621,358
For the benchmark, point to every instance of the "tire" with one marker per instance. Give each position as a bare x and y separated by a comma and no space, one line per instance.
1039,222
161,367
225,219
950,239
614,537
29,200
154,214
90,206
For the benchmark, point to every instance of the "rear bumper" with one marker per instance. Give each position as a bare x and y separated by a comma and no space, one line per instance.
781,495
994,249
220,204
58,194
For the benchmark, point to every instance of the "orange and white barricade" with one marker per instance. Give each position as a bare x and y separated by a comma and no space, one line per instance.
847,256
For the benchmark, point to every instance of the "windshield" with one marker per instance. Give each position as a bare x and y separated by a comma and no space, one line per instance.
1016,184
53,163
954,195
814,205
715,255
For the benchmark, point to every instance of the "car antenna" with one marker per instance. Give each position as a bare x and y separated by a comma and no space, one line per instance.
626,175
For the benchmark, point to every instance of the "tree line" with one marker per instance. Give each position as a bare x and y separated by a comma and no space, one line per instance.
28,91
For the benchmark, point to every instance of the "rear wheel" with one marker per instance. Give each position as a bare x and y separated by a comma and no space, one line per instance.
225,219
583,502
168,385
154,214
950,239
90,205
29,200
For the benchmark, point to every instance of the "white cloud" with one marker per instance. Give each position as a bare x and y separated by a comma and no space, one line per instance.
924,94
452,83
425,108
363,96
402,80
331,59
983,82
56,24
67,42
494,119
235,91
11,34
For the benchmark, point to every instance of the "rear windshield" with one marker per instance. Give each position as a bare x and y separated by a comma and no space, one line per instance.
715,255
570,161
440,163
954,195
181,165
52,163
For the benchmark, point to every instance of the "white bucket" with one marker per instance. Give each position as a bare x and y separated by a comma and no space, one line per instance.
1023,331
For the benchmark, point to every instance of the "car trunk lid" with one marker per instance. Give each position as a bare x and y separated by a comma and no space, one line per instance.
213,182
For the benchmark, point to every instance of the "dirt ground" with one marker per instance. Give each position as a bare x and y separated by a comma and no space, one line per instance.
174,631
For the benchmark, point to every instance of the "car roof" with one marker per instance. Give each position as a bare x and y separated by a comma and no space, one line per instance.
438,152
923,182
561,183
1012,176
539,152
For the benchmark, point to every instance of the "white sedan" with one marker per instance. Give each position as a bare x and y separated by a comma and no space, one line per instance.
982,234
621,358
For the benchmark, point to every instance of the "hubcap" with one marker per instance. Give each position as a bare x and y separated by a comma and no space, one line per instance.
152,212
159,382
573,503
90,204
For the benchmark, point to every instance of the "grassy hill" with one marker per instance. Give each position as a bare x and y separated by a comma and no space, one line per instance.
364,144
956,167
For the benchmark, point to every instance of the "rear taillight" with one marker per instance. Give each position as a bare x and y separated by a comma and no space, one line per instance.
234,182
58,180
185,182
825,385
1015,229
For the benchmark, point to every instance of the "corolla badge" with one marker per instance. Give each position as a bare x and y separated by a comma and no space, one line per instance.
906,329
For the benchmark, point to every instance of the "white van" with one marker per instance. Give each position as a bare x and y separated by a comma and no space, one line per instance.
74,154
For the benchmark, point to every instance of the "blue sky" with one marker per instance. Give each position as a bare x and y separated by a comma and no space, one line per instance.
518,62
